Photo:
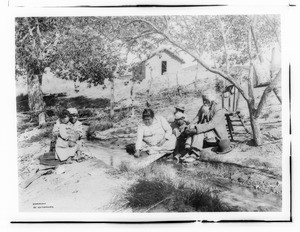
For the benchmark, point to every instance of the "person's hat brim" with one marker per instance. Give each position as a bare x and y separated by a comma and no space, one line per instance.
179,108
224,152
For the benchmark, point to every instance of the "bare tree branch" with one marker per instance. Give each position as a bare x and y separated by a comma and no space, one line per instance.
190,35
266,93
31,34
142,35
277,94
250,75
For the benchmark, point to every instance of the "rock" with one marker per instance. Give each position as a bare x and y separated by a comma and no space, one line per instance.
205,155
60,170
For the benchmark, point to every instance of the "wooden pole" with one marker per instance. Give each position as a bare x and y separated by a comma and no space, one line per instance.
237,100
222,100
229,99
233,104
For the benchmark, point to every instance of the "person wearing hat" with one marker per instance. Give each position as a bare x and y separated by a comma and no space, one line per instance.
171,119
179,108
214,122
179,131
180,124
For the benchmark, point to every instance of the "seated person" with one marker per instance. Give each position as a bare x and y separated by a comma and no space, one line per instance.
179,131
179,108
78,130
65,137
216,123
154,135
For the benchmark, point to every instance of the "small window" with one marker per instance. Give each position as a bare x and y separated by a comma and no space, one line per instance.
163,67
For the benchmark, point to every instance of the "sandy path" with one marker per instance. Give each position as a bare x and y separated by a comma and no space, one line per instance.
82,187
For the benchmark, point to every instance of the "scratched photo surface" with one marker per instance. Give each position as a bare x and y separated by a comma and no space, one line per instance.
149,114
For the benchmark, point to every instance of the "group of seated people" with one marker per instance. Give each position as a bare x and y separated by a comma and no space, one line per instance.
181,137
154,135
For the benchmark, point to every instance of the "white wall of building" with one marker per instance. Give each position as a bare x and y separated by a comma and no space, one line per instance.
153,65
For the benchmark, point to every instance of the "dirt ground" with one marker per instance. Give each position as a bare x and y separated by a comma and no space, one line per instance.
248,178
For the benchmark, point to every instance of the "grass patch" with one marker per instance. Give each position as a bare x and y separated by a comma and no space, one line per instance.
160,185
202,200
146,193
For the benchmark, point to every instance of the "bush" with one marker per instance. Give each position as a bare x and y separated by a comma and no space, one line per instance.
148,192
202,199
219,86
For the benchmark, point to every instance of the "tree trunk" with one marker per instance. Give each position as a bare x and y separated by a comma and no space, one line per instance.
255,126
178,86
150,85
112,97
237,101
35,96
132,98
196,86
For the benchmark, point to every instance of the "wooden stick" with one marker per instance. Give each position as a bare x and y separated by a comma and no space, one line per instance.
37,175
241,119
157,204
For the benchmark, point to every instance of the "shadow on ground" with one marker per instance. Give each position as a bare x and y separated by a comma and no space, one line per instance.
62,100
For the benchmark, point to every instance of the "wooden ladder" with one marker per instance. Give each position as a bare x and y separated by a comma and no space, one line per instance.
234,117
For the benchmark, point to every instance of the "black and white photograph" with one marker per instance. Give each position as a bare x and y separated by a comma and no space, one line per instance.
167,113
143,113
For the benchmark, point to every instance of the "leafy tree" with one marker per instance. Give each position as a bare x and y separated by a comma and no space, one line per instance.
88,54
77,48
229,39
35,40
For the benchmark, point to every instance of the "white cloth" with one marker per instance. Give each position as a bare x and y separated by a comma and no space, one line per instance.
150,136
72,110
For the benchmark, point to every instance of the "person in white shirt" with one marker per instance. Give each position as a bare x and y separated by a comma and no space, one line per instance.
154,135
65,138
67,133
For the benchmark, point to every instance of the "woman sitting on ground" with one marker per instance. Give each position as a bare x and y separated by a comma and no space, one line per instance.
154,135
65,136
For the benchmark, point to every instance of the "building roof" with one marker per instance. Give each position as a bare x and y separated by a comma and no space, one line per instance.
168,52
